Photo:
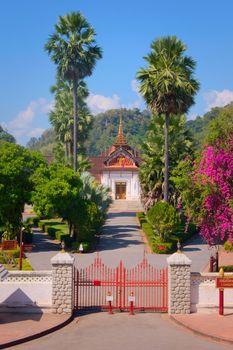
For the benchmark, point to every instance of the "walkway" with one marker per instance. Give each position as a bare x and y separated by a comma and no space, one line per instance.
101,331
121,239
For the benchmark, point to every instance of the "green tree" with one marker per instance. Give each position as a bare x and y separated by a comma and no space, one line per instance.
5,136
17,166
73,49
61,117
168,86
164,219
151,171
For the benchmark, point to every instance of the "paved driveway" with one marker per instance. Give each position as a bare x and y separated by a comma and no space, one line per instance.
121,239
120,331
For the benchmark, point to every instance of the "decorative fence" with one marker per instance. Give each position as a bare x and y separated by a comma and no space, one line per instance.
147,285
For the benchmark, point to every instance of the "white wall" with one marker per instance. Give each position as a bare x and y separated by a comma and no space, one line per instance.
31,288
204,294
109,178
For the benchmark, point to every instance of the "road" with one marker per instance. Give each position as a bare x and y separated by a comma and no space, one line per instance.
101,331
121,239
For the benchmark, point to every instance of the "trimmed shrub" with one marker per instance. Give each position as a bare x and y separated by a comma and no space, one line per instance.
227,268
228,246
164,219
52,231
35,221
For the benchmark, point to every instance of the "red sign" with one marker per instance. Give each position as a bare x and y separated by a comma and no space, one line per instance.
224,282
97,283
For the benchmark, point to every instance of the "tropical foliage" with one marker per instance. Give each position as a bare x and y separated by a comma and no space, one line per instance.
206,184
78,200
61,118
152,167
73,49
168,86
17,165
164,219
5,136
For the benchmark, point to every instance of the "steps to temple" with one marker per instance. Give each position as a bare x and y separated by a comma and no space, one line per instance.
125,205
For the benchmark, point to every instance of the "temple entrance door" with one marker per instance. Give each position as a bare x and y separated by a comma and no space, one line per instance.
120,190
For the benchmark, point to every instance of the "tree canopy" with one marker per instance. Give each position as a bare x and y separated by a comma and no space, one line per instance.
17,166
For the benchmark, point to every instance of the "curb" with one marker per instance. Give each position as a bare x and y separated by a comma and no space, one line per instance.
38,335
197,332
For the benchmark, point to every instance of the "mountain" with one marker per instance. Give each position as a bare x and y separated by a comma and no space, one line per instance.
103,132
105,128
135,125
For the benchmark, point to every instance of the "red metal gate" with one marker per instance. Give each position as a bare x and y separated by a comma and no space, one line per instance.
149,285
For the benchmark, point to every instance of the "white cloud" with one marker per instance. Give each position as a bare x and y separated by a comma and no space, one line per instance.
100,103
135,86
216,98
22,124
36,132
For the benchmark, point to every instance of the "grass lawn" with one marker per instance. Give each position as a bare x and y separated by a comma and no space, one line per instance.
15,267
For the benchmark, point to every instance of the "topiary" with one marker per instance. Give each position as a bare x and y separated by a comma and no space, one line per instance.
164,219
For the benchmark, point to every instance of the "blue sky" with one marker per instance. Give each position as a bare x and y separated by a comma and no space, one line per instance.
125,30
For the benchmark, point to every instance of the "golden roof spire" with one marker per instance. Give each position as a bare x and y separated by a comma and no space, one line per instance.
120,140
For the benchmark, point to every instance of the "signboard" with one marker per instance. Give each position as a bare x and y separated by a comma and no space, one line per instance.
97,283
109,298
131,298
224,282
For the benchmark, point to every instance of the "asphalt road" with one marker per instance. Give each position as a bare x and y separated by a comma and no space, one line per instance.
120,331
121,239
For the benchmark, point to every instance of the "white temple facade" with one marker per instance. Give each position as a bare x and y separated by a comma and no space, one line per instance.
118,168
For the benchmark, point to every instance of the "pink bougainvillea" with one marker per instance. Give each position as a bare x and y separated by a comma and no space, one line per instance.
215,175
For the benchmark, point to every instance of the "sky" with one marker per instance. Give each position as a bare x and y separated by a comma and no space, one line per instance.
125,30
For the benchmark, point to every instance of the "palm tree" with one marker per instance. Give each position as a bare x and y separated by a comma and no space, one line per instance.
168,85
61,117
73,49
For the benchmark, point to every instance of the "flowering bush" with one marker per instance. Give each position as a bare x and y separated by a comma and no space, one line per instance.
215,172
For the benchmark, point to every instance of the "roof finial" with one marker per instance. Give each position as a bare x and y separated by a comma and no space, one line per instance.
120,140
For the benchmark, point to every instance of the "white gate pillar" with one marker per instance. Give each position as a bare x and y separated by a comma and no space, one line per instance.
179,284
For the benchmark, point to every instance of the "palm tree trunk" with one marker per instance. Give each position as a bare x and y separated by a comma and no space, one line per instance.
75,101
166,171
66,151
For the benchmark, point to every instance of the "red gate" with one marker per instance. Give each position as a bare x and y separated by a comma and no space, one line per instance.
149,285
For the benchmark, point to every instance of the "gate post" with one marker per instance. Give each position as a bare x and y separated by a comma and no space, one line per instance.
62,283
179,284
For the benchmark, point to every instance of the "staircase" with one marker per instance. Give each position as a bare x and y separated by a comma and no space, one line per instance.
124,205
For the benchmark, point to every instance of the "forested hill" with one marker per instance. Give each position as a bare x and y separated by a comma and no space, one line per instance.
105,128
135,124
199,126
103,132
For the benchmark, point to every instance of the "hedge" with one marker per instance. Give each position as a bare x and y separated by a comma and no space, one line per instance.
154,240
228,268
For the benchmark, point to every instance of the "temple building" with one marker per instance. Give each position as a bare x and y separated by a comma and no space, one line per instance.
117,168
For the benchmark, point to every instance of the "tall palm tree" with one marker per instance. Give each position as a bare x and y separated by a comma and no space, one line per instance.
61,117
73,49
168,85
